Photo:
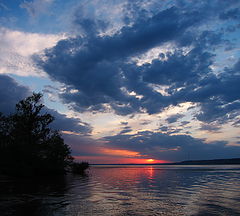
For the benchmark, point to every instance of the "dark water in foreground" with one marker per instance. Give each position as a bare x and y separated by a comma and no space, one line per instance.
129,190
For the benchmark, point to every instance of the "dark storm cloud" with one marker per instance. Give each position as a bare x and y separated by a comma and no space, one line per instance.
236,123
88,25
145,122
170,130
124,123
174,118
62,122
183,123
92,64
11,93
171,147
210,128
164,128
218,111
82,145
101,68
219,98
230,14
179,68
174,131
127,130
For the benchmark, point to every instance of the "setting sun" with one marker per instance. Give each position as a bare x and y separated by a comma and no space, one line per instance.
150,160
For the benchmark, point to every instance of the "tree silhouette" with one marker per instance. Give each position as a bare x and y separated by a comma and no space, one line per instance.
28,145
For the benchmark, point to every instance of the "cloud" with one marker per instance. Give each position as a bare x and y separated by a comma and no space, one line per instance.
82,145
219,96
106,67
63,123
174,118
84,58
126,129
36,7
179,68
230,14
87,22
17,48
164,128
145,122
170,130
210,128
175,131
236,123
124,123
183,123
171,147
3,7
11,93
102,70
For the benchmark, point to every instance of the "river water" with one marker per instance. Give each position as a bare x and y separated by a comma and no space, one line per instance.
127,190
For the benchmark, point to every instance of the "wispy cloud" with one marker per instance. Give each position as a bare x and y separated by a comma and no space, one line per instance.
36,7
16,50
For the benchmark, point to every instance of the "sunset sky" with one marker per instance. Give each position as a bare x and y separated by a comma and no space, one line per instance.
138,81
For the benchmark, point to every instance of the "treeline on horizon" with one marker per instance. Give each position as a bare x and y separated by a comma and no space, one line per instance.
229,161
28,146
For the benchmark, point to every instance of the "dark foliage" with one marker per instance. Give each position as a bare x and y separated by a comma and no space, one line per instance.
78,168
28,146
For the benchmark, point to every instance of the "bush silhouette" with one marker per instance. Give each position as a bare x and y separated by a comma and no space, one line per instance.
78,168
28,146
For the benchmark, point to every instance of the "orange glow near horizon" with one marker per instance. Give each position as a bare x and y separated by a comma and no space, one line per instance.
150,160
117,160
120,152
104,155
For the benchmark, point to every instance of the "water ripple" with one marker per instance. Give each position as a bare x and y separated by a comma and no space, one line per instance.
121,191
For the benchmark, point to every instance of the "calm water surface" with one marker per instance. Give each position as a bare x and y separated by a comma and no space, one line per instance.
127,190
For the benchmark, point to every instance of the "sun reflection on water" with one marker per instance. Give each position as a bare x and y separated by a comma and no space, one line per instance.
131,190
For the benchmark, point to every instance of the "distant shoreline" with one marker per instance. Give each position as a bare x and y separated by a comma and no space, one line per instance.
231,161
